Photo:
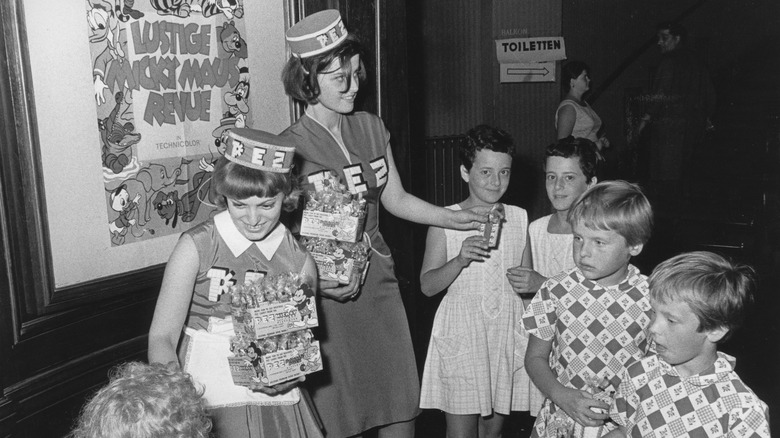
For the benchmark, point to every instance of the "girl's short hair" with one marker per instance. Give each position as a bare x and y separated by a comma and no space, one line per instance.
571,70
618,206
235,181
145,401
299,75
577,147
484,137
717,290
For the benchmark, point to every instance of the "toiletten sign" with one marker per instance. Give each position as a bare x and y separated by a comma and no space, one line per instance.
529,59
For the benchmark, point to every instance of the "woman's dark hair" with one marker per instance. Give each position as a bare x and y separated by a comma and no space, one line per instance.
484,137
299,75
235,181
581,148
571,70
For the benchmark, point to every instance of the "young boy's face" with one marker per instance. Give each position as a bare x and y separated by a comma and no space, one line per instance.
564,181
602,256
488,177
674,331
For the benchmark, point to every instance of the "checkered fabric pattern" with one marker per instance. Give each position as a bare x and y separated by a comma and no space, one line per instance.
654,401
595,331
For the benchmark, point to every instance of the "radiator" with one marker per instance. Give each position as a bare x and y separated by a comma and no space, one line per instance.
443,183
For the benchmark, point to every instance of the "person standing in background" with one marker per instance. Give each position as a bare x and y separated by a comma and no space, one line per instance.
574,117
678,112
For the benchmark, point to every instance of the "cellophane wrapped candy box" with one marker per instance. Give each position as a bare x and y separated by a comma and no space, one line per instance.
271,321
332,212
336,260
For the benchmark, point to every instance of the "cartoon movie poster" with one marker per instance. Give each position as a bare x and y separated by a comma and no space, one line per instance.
170,80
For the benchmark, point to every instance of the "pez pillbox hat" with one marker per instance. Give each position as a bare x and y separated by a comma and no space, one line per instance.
317,33
260,150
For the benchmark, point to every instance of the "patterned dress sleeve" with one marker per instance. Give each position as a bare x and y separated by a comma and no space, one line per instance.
748,421
540,317
625,403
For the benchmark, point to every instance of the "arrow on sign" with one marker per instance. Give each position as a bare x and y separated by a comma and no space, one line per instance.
528,71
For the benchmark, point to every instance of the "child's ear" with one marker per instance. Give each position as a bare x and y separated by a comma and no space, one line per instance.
464,173
593,182
716,334
634,250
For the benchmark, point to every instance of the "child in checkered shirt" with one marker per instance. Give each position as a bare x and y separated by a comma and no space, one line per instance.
689,388
586,324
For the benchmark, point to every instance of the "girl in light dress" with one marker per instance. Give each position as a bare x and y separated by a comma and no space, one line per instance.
474,367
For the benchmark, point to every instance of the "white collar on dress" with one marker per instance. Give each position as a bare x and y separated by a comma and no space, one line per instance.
238,243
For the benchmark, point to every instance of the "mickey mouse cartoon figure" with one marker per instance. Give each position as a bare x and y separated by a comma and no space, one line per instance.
341,265
304,302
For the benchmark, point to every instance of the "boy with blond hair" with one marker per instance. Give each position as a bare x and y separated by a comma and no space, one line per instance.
588,323
688,388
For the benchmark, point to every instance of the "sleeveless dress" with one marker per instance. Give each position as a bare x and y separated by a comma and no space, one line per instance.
477,349
552,253
370,376
587,123
224,253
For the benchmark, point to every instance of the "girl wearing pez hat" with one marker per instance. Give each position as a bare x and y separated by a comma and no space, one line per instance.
253,184
372,380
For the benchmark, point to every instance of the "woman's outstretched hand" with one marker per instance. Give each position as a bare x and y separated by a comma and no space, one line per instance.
472,218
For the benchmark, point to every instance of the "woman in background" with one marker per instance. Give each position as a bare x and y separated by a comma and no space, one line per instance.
574,116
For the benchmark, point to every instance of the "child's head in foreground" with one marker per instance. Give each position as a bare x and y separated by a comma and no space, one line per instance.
145,401
611,221
486,163
699,299
570,168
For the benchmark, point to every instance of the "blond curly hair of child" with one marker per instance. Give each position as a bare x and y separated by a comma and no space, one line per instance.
145,401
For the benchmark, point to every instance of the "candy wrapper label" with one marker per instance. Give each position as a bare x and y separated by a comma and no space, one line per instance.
271,319
251,370
331,226
285,365
338,261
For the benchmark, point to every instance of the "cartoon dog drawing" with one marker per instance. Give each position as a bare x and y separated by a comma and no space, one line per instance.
169,207
231,40
237,100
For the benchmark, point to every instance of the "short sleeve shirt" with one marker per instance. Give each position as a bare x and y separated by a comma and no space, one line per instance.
655,401
595,331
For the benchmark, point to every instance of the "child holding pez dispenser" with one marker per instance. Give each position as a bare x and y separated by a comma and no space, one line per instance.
237,246
587,324
688,388
473,371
